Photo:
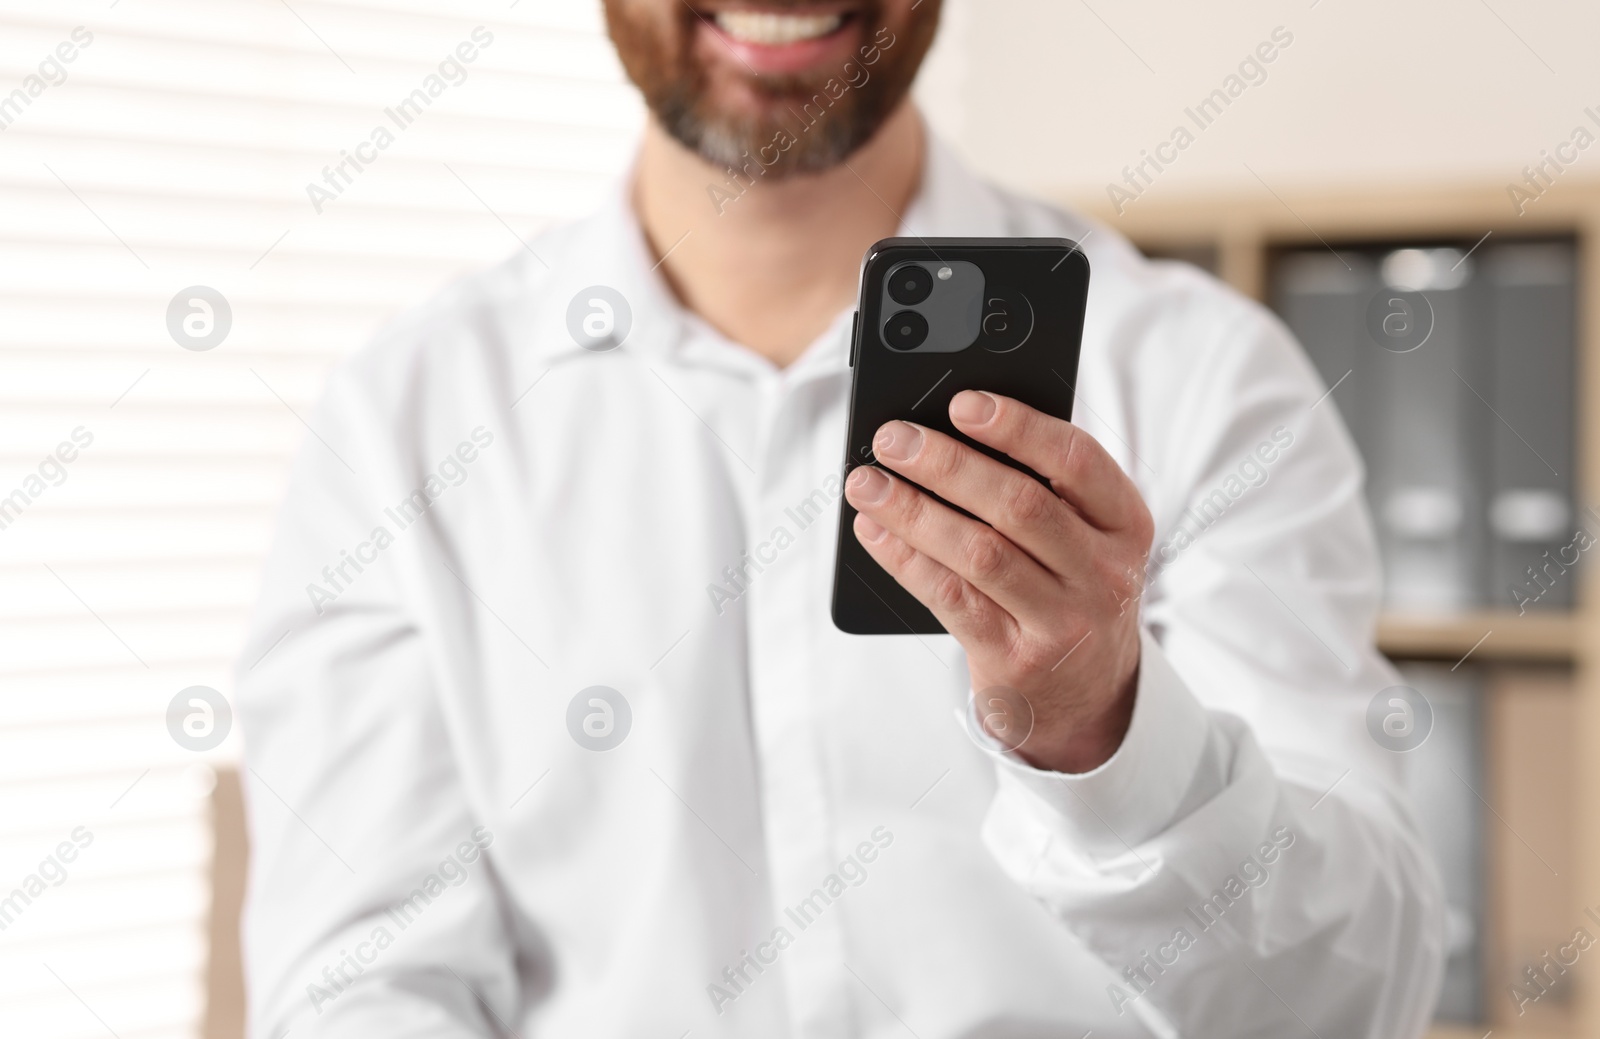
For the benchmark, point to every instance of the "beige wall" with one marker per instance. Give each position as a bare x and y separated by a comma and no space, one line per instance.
1041,94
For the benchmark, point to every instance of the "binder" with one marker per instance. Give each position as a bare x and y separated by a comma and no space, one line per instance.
1444,777
1411,407
1532,518
1432,482
1320,295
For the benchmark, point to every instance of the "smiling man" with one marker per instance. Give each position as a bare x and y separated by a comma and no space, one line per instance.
675,816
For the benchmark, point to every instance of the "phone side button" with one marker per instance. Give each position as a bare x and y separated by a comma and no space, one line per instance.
855,335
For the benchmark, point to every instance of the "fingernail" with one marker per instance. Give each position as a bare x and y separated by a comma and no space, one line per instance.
897,441
867,485
972,407
869,529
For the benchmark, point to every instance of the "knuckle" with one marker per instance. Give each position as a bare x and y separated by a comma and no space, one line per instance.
985,554
1025,503
1074,449
1144,526
1109,571
1036,425
1029,656
942,462
986,621
897,554
909,506
950,591
1119,580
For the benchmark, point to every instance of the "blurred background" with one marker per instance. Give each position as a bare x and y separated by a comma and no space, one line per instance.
1414,188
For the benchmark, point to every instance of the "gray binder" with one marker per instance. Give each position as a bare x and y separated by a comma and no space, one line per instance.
1321,296
1444,778
1411,404
1531,516
1432,482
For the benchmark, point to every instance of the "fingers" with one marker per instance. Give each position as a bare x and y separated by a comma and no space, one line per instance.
1078,468
973,551
972,617
1028,513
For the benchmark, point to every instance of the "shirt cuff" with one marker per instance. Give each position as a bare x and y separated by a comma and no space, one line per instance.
1132,796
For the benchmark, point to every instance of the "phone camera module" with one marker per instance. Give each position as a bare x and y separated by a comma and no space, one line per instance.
910,285
906,330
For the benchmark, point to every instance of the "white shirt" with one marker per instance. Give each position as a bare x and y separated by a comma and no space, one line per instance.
796,835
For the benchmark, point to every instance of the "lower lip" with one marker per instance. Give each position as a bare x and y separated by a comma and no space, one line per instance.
787,58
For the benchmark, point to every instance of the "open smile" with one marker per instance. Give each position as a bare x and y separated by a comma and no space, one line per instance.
783,41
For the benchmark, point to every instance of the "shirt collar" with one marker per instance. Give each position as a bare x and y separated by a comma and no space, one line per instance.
609,249
951,202
606,249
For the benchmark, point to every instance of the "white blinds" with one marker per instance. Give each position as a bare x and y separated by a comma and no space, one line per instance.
173,150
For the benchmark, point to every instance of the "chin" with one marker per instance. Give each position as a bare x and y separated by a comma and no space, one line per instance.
802,84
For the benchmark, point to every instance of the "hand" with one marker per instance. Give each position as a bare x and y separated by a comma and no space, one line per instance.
1043,594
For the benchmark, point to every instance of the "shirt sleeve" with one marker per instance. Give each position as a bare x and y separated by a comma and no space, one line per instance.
372,906
1245,863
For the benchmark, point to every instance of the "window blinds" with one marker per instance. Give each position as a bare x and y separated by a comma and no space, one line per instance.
151,149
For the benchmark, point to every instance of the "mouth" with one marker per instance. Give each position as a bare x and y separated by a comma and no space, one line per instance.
787,41
769,29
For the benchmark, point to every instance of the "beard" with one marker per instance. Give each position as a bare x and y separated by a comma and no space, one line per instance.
821,118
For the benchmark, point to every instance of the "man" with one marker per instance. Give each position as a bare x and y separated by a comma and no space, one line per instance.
561,741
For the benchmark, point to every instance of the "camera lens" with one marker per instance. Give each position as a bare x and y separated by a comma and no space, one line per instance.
906,330
910,285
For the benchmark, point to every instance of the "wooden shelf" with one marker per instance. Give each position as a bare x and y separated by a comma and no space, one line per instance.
1477,1032
1546,637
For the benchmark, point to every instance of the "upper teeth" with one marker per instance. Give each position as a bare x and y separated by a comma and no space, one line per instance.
774,29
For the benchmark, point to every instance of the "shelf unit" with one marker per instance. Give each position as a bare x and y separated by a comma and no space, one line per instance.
1482,636
1542,666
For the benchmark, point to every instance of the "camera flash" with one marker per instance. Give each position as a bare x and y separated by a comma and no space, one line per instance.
945,273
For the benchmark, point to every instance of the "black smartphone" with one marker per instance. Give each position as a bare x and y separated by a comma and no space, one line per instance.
938,316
